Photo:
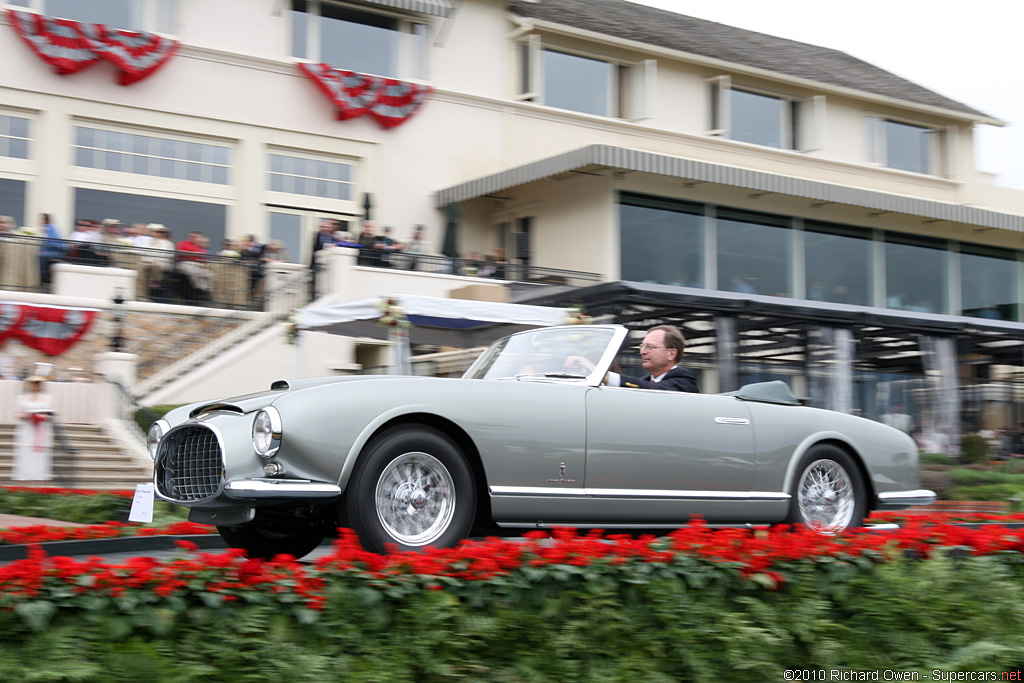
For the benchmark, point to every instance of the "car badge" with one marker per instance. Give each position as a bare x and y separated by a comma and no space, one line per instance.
561,476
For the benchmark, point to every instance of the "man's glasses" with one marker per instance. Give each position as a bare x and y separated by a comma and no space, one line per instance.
650,347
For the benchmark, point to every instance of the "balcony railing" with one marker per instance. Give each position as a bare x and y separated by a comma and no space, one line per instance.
236,283
161,278
443,265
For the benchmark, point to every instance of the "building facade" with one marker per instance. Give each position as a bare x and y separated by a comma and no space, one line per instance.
704,162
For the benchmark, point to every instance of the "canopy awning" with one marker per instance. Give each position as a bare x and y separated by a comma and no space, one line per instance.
437,8
432,320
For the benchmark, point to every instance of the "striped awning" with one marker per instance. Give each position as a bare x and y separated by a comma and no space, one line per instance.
436,8
620,158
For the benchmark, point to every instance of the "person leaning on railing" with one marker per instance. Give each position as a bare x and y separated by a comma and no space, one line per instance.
159,259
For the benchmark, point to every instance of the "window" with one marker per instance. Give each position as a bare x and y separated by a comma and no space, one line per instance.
179,215
133,15
314,178
988,283
585,83
14,137
150,155
904,146
754,253
357,40
838,264
765,119
661,241
915,274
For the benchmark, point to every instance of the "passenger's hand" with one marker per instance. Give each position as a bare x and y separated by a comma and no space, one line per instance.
579,363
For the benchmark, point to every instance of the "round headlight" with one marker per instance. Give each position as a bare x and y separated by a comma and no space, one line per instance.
266,432
156,432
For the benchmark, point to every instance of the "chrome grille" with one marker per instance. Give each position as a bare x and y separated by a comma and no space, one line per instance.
189,465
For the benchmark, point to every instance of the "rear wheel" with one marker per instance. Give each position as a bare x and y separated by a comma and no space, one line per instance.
412,488
262,542
829,495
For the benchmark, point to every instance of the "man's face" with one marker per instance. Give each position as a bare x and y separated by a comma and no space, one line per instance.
656,358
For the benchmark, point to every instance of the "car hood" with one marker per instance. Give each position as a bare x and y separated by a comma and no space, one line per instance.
248,403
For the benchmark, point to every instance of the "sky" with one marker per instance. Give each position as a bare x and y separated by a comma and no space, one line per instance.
970,52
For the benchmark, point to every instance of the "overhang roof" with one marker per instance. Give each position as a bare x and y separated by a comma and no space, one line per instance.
620,158
630,21
776,328
438,8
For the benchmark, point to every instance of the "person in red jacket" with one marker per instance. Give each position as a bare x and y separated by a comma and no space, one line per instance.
191,256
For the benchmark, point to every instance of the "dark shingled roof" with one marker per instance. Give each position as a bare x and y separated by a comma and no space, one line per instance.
666,29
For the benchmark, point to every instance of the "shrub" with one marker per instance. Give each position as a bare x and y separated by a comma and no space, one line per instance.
973,448
936,459
145,417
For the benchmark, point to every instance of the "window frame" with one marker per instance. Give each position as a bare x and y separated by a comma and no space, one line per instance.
938,146
293,197
802,119
411,30
631,84
156,134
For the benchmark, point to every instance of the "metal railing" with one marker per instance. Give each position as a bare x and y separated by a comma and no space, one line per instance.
513,272
26,264
124,407
62,458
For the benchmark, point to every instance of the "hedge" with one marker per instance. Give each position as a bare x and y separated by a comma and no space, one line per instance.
697,605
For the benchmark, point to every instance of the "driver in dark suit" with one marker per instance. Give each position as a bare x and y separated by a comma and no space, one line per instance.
661,350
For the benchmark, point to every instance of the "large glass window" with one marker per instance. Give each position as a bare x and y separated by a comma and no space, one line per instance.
179,215
150,155
903,146
754,253
355,40
297,175
577,83
126,14
915,274
988,283
14,137
661,241
838,264
760,119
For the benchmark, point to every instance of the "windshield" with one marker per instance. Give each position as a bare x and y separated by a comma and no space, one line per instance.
570,352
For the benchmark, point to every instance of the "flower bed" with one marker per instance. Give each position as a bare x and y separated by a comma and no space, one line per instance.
699,604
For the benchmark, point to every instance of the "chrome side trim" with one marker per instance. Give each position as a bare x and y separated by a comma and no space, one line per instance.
535,491
655,493
280,488
916,497
732,420
636,493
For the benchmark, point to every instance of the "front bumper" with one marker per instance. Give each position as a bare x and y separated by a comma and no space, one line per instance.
263,489
898,500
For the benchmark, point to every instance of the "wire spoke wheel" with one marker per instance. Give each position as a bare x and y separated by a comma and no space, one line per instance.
826,497
415,499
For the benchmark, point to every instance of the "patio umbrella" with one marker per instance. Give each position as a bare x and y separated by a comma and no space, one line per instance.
451,230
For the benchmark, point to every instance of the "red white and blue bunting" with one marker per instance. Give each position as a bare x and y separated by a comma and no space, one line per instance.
50,329
390,102
70,46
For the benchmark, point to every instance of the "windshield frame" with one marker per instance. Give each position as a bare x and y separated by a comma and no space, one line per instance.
486,359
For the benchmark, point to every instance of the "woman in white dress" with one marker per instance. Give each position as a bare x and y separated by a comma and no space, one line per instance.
33,440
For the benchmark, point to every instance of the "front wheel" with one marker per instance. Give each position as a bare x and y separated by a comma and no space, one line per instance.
830,495
265,543
412,488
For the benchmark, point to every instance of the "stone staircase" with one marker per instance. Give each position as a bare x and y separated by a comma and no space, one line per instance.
93,460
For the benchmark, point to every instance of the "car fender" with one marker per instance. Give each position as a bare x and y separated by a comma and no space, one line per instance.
807,444
372,428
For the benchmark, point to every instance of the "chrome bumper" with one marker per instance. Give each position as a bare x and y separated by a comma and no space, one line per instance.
254,489
896,500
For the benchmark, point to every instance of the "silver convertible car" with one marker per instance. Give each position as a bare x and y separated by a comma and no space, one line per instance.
523,440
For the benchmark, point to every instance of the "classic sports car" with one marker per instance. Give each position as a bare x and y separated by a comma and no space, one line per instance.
521,441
